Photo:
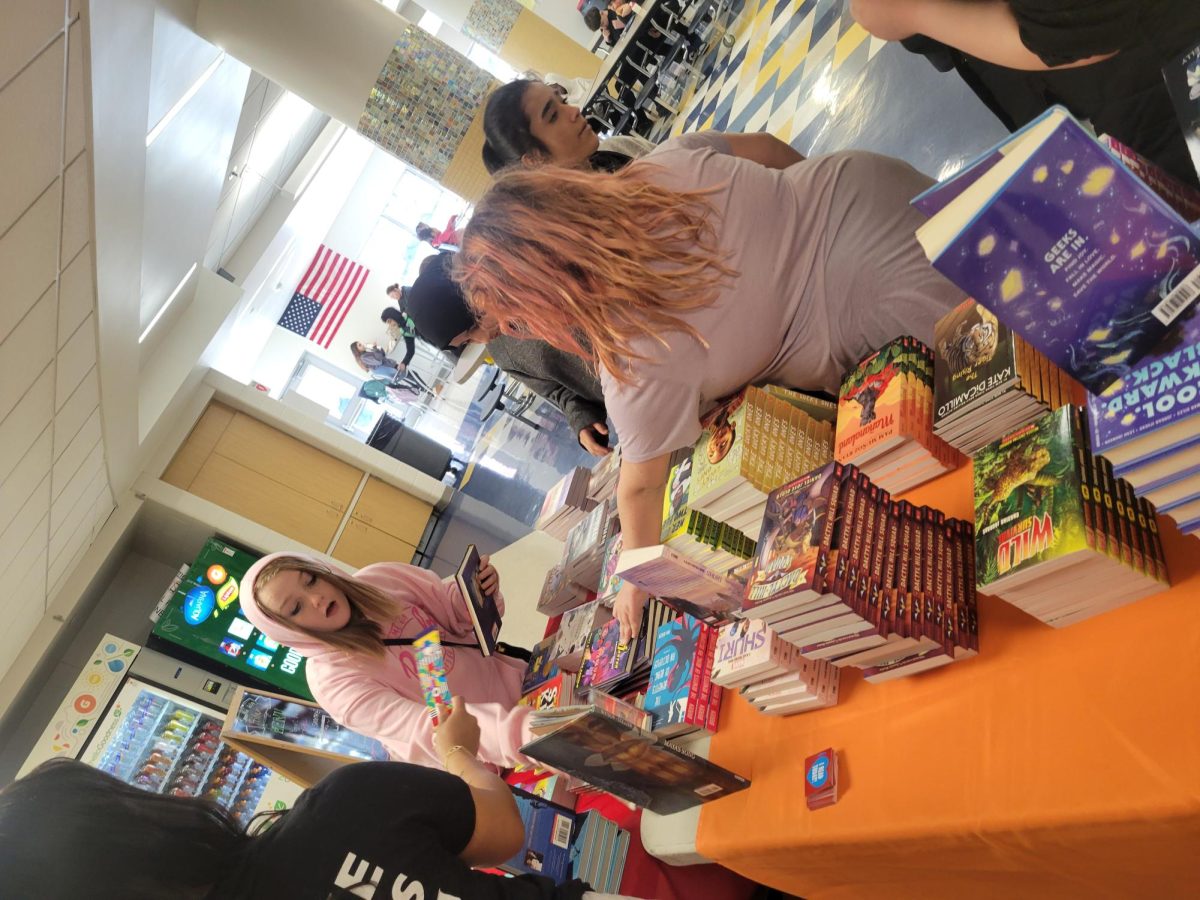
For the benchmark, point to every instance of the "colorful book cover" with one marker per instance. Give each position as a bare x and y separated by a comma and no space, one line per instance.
1072,252
976,358
676,515
717,459
541,666
791,537
431,671
611,660
555,691
610,581
1162,389
671,671
546,850
1184,198
1183,84
868,420
632,764
1028,507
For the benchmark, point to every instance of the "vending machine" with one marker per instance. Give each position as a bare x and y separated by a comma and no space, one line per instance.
155,722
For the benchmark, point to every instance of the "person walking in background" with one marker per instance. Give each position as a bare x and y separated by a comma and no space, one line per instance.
449,238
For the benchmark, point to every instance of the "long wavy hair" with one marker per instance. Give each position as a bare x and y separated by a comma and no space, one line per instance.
591,261
69,830
370,608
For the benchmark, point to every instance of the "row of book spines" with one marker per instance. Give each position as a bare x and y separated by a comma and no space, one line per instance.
782,440
1042,379
656,613
704,698
706,530
1116,521
908,570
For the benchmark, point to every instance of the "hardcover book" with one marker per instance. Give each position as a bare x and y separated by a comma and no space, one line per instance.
1069,249
485,616
626,761
546,849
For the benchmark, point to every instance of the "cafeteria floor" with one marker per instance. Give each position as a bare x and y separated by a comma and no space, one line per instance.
803,70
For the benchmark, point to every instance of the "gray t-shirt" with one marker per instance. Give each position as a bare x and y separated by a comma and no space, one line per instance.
828,271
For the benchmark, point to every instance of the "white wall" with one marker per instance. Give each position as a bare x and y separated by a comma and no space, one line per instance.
563,15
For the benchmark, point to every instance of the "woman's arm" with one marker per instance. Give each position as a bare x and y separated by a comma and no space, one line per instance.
499,831
763,148
410,347
639,503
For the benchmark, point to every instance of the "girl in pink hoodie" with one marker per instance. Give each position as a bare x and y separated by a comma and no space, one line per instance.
340,622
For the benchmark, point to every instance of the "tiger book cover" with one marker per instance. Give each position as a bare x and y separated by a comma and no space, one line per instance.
1068,248
975,360
791,536
1028,507
870,404
717,461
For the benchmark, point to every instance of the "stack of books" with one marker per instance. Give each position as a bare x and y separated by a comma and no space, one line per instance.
574,634
1145,425
1183,198
565,504
598,854
559,593
847,574
557,690
1066,246
616,667
988,381
694,534
681,695
770,672
603,482
885,418
1058,535
681,582
583,550
752,443
611,753
546,849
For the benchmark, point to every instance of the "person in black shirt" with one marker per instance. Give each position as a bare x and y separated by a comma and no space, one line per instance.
369,831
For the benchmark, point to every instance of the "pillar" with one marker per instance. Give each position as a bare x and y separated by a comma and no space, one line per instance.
370,69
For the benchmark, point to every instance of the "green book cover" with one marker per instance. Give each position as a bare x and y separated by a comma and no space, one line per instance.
1028,509
720,451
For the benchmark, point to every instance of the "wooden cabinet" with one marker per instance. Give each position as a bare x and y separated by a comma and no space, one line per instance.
271,478
360,545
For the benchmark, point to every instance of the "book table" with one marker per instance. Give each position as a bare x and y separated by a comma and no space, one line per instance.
1057,764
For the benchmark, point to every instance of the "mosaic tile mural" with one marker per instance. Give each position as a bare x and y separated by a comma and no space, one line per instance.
490,21
423,102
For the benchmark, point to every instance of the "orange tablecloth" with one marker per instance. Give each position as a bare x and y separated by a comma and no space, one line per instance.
1060,764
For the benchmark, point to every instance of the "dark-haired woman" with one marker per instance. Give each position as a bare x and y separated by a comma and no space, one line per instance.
527,121
370,831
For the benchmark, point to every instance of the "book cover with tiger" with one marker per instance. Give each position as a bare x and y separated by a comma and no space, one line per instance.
975,358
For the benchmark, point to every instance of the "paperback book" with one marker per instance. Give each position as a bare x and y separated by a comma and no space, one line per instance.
1183,84
431,671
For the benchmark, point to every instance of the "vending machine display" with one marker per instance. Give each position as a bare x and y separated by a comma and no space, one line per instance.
204,615
168,745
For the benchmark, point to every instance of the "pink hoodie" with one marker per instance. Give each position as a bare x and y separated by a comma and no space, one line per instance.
381,696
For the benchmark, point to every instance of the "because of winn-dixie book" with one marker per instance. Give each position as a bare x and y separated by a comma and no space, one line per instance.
626,761
1067,248
1028,510
485,616
1183,84
1150,409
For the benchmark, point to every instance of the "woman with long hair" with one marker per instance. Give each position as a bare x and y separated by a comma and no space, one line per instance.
356,632
695,273
368,830
373,359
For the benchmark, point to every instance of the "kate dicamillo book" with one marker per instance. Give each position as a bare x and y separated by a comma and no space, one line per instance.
1067,247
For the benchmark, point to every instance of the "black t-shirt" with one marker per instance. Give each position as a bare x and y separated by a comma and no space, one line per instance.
379,831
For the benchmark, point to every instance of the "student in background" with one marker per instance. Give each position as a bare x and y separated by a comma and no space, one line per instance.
705,270
370,830
399,326
373,360
356,632
443,318
449,237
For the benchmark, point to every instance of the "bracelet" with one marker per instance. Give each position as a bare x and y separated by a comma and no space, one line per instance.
446,756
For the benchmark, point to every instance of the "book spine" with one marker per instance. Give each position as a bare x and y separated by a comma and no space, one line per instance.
951,635
1091,511
969,583
862,519
1137,544
891,568
1115,509
917,604
755,446
903,594
705,682
1151,517
933,606
878,550
821,574
845,535
701,660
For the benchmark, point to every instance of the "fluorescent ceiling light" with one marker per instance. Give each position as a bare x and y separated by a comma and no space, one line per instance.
182,101
162,309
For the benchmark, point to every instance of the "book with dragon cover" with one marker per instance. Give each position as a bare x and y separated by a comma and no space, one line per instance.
1028,508
790,542
1069,249
869,420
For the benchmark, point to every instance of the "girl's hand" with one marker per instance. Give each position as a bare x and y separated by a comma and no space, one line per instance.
628,610
456,728
489,578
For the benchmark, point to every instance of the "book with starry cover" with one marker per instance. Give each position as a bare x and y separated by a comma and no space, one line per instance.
1067,247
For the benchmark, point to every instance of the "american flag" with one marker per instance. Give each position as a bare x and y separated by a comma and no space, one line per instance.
324,296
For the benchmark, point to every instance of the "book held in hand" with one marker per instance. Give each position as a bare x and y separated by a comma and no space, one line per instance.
431,671
485,616
1065,246
626,761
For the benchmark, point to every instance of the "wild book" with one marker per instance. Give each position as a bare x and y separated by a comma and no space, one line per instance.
1066,247
626,761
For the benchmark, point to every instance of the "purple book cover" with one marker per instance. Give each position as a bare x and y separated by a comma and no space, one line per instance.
1160,390
1078,257
611,659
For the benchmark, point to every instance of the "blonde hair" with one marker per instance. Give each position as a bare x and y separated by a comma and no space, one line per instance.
590,261
369,606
